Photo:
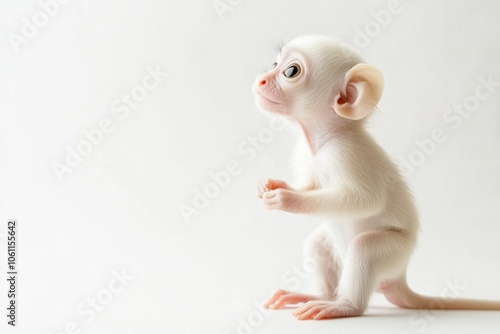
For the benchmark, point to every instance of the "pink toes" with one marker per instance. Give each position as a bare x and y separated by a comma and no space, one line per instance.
283,298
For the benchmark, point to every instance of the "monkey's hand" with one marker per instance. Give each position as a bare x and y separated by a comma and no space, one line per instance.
271,184
283,199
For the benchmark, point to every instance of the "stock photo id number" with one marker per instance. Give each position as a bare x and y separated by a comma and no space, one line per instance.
12,272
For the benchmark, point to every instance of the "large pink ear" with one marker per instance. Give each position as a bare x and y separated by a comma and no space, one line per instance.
360,92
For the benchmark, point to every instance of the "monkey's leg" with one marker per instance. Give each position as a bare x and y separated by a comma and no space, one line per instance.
320,247
369,257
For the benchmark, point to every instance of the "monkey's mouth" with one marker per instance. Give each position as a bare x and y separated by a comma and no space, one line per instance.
266,99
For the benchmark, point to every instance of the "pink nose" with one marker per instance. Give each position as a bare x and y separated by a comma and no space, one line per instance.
262,82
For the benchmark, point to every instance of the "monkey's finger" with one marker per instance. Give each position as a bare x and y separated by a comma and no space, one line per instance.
275,297
268,303
268,195
325,314
271,201
309,314
302,310
309,305
291,298
276,184
261,188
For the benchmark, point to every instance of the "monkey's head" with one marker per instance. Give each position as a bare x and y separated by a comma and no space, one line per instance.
316,77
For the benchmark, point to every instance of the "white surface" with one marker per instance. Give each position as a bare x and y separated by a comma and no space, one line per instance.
119,209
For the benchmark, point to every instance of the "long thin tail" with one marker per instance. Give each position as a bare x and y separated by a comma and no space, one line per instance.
399,293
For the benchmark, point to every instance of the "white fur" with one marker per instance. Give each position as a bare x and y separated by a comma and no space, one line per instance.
346,177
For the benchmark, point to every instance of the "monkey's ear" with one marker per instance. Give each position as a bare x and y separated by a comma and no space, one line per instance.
360,92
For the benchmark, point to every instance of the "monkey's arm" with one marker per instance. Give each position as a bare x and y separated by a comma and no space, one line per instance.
337,201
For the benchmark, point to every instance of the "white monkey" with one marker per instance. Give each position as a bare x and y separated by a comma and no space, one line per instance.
346,177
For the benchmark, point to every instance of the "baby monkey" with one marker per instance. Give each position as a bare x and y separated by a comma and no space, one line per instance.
346,177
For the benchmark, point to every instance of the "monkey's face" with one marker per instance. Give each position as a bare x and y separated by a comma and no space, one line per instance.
279,89
316,79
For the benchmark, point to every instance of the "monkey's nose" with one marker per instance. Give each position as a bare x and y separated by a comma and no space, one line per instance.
262,82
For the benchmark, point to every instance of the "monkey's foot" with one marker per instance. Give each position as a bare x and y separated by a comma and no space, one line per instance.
323,309
282,298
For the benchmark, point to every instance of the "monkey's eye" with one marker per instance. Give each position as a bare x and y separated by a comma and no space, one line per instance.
273,65
292,71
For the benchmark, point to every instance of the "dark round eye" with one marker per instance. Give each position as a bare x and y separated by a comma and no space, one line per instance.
273,65
292,71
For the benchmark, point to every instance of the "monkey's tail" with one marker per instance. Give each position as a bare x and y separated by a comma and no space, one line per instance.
399,293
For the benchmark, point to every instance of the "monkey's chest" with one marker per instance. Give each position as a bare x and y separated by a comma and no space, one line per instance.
325,171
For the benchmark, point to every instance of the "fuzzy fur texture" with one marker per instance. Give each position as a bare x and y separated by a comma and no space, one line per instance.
371,223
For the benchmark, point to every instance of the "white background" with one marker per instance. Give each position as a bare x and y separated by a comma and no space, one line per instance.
118,210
